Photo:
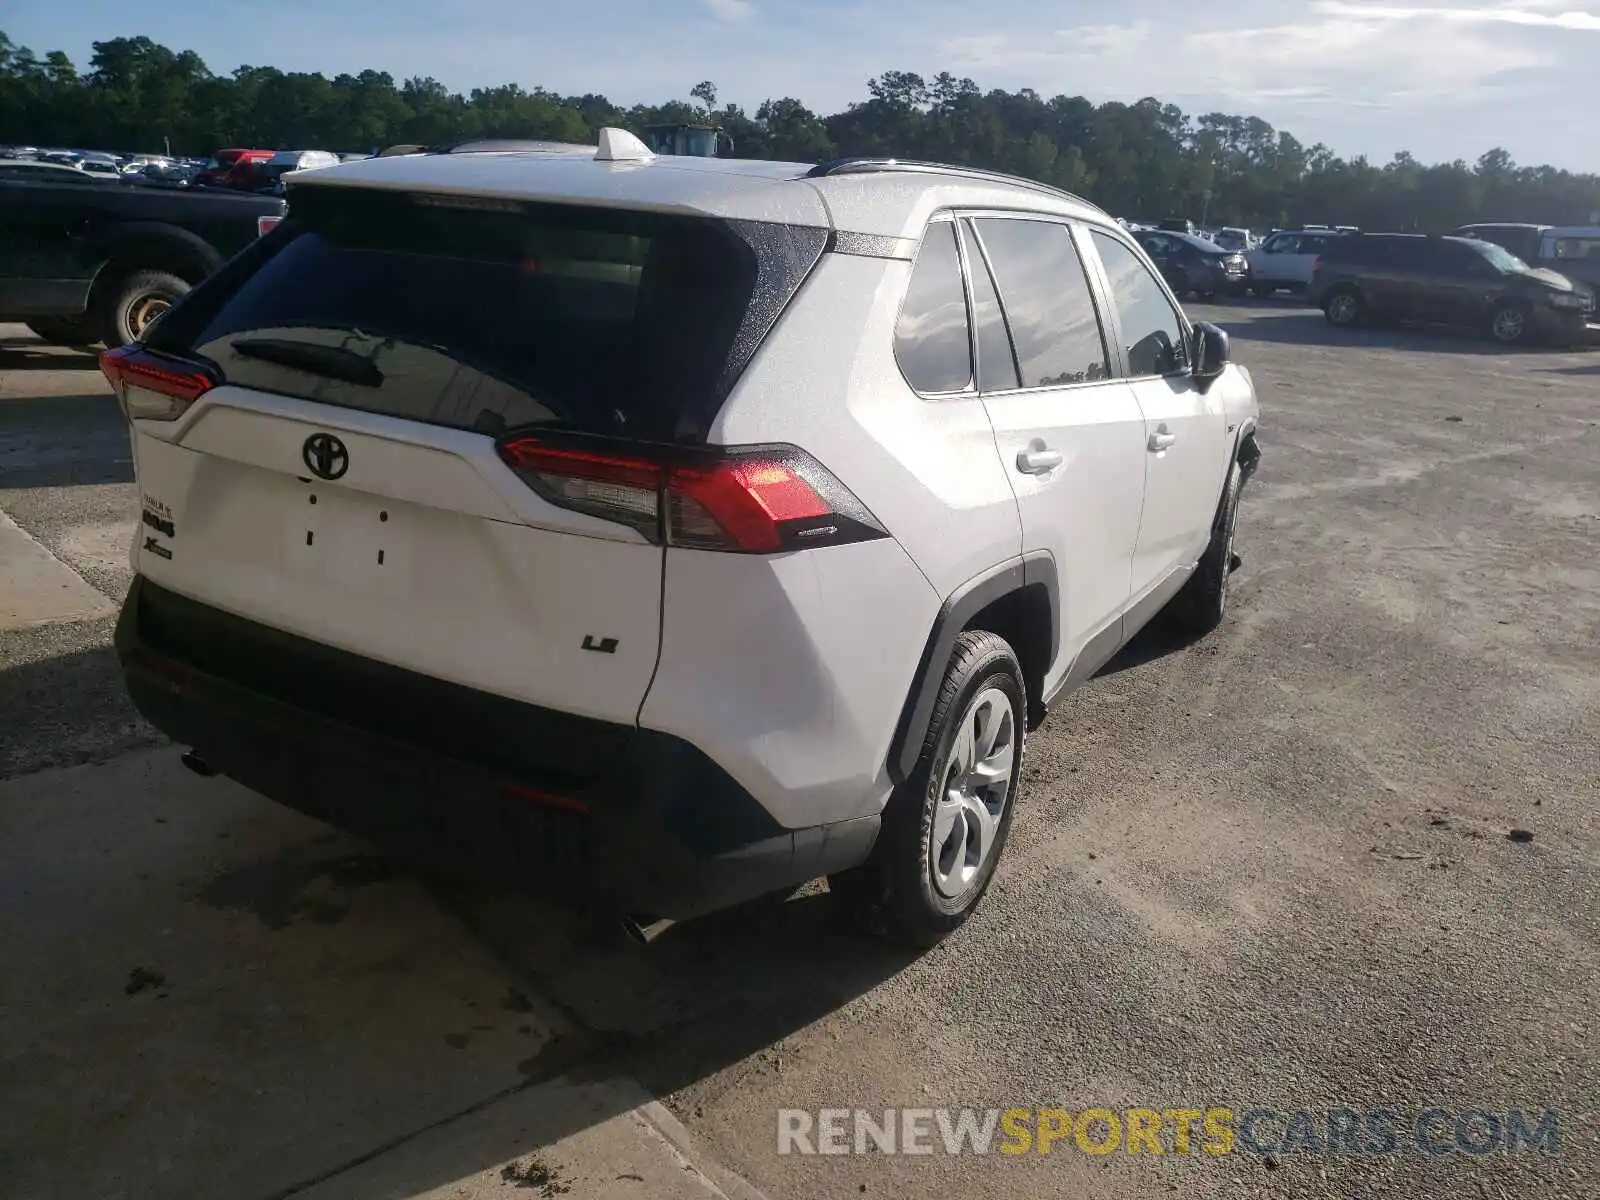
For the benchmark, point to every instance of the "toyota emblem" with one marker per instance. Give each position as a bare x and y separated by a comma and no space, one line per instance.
325,455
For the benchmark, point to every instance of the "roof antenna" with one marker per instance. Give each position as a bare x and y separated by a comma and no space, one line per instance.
618,145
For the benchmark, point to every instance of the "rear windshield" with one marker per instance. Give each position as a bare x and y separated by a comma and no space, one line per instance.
489,315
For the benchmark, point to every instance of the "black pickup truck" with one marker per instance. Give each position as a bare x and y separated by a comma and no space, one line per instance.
86,260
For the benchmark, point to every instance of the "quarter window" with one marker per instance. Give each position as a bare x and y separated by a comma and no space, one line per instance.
1151,329
932,342
1048,305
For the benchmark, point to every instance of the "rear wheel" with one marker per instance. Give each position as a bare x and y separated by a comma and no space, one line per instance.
945,827
133,303
1509,323
1344,307
65,331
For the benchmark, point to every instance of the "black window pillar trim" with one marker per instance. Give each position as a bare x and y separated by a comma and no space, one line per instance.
1036,568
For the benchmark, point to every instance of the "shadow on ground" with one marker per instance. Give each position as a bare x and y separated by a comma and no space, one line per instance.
1303,327
62,709
290,1004
62,441
29,353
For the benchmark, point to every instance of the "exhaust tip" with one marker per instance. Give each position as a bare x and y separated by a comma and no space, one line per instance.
197,764
643,929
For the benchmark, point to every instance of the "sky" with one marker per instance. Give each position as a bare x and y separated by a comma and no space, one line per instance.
1443,79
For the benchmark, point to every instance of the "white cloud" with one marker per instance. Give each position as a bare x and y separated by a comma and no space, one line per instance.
1086,42
731,11
1343,54
1567,19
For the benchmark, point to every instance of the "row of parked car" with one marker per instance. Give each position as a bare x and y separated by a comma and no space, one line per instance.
232,169
1516,282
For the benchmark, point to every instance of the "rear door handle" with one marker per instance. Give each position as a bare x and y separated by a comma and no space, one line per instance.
1161,440
1037,460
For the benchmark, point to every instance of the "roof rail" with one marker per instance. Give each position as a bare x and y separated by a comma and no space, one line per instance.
871,165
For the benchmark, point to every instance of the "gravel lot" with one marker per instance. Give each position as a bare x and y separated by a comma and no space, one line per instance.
1269,870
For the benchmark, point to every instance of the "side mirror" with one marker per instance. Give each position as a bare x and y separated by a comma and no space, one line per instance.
1210,353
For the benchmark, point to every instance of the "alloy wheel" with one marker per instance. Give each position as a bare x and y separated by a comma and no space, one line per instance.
1508,325
143,313
976,788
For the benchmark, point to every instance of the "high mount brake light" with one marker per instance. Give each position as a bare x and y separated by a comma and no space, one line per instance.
752,501
152,386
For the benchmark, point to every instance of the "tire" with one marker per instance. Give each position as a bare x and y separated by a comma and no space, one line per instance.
133,301
935,856
1344,307
1200,606
65,331
1510,323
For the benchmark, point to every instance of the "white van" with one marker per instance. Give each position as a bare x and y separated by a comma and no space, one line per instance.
1574,250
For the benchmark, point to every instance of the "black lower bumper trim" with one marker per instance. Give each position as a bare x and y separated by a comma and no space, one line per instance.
654,827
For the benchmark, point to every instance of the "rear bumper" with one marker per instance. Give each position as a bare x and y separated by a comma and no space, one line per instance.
647,825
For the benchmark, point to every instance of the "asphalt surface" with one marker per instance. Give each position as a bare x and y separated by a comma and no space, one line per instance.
1269,870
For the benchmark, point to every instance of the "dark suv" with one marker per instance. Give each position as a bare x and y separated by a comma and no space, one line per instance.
1448,281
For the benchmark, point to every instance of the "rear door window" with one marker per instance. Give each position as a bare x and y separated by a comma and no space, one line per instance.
932,340
488,314
1048,305
997,365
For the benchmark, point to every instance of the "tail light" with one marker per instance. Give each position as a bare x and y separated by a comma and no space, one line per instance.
151,386
754,500
1316,265
265,225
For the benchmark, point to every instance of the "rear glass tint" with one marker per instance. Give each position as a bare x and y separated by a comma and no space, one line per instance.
488,315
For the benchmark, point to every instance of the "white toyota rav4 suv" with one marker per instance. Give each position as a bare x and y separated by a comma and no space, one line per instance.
677,530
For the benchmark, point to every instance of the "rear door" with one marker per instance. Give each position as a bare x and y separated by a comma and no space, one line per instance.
1071,436
44,215
1185,442
1274,260
1459,283
1401,279
1302,264
343,481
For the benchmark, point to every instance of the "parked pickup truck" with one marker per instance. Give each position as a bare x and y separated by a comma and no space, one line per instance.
84,260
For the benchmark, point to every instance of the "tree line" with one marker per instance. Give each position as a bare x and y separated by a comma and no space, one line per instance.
1143,161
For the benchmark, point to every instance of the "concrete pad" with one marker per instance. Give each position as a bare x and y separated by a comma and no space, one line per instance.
36,587
206,994
567,1137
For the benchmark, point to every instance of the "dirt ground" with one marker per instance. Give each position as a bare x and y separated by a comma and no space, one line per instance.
1275,869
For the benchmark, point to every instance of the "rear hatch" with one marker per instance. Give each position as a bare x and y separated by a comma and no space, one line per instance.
321,433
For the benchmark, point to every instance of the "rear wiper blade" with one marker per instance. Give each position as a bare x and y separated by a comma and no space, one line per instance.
332,362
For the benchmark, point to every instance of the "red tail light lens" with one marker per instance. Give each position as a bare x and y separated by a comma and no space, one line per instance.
265,225
1316,264
152,386
752,501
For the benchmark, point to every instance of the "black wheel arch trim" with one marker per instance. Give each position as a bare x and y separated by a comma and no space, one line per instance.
1034,569
123,249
